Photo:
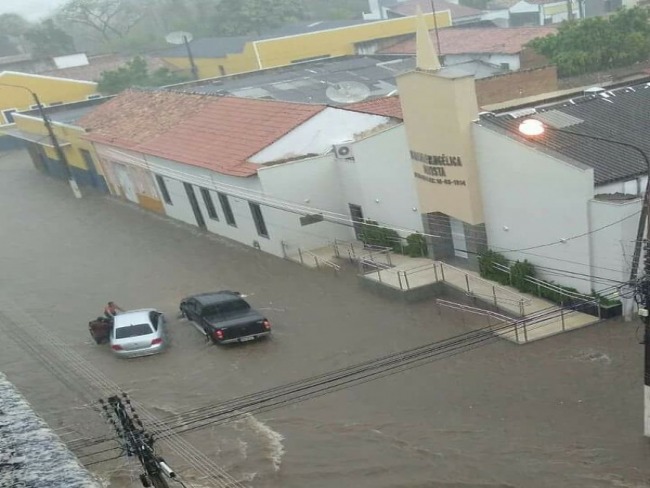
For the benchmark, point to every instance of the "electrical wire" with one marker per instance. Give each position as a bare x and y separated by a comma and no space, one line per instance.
318,385
330,216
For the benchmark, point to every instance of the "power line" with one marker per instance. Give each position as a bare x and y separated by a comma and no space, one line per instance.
302,390
328,215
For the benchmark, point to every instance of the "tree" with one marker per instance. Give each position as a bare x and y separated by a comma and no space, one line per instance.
109,18
598,43
136,73
13,25
242,17
47,39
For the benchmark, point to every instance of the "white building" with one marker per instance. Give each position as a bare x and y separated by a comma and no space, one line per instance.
250,169
424,162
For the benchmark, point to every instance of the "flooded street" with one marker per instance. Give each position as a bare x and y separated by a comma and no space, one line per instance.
563,412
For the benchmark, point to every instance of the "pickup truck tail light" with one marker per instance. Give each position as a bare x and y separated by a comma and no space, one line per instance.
116,347
218,334
266,324
156,341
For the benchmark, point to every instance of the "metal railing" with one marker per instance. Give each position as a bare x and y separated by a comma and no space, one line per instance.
570,296
304,256
521,326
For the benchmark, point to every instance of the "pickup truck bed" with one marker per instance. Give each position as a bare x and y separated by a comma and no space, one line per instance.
225,317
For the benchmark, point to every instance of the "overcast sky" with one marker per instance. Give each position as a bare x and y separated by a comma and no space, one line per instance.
30,9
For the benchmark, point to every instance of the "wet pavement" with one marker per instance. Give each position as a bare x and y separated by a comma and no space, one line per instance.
563,412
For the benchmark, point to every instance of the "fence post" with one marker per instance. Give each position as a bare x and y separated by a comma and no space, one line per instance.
399,279
467,284
562,315
525,332
516,332
442,271
284,249
379,274
494,294
316,261
435,271
390,263
336,249
522,310
600,312
300,255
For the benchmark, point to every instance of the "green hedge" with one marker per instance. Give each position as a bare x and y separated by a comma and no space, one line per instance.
516,277
372,234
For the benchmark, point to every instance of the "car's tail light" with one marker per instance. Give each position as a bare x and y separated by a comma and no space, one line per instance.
156,341
116,347
218,334
266,324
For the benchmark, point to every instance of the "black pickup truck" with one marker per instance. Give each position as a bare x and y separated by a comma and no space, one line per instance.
225,317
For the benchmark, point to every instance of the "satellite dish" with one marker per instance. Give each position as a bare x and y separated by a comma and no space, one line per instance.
179,37
347,92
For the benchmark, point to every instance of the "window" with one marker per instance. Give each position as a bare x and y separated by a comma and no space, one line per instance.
227,209
132,331
209,204
163,190
9,115
258,218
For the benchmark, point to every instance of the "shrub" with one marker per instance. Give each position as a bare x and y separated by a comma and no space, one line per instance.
487,270
416,246
518,274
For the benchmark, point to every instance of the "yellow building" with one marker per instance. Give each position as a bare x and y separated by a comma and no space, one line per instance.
224,56
80,153
50,90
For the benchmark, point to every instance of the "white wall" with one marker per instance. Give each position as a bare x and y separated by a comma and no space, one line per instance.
310,183
318,134
239,190
630,187
539,200
382,171
512,60
613,245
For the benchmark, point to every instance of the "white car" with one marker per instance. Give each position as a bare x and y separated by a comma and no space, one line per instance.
138,333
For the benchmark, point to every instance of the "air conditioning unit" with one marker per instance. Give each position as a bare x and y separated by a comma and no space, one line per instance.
343,151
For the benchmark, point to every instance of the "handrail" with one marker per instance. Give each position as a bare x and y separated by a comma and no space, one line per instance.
318,259
546,284
505,290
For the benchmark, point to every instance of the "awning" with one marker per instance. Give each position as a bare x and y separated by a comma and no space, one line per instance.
35,138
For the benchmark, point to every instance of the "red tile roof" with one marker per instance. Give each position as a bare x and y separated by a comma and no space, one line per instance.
136,116
224,134
386,106
457,11
471,40
217,133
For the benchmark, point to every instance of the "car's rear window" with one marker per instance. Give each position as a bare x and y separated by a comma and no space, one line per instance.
132,331
225,309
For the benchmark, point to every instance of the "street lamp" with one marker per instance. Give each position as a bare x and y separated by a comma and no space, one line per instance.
53,139
532,128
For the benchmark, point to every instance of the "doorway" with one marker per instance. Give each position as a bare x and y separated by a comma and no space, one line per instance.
458,238
200,221
356,212
124,180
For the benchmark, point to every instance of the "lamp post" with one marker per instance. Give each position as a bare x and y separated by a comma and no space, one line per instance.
55,143
534,128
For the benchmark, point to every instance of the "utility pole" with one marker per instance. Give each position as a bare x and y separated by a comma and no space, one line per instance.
136,442
534,128
57,147
55,142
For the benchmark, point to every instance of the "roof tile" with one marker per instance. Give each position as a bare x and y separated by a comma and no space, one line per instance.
387,106
469,40
217,133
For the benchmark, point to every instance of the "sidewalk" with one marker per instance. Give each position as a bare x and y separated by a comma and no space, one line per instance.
535,318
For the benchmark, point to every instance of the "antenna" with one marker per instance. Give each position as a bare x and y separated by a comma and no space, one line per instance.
435,28
182,37
347,92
